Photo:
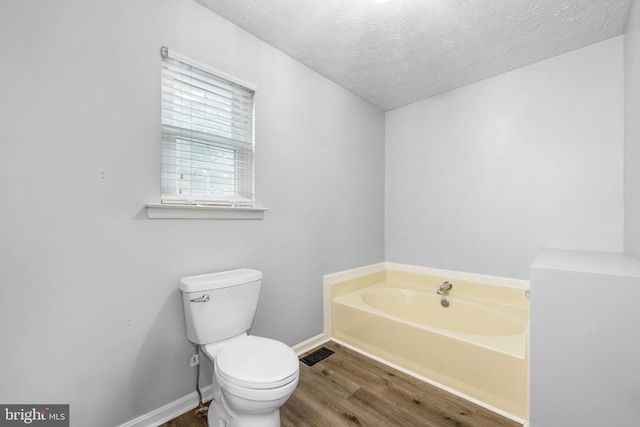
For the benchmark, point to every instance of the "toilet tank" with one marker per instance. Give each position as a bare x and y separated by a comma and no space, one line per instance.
220,305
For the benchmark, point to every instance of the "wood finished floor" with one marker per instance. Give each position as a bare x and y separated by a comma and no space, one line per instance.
349,389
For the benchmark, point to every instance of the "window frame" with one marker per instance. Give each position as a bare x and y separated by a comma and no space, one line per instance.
218,209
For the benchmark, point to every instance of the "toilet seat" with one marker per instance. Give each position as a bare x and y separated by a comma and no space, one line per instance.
256,363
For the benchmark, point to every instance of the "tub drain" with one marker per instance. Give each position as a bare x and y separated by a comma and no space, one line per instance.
444,302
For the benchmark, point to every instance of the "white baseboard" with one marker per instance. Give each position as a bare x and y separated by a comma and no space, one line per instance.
171,410
190,401
310,344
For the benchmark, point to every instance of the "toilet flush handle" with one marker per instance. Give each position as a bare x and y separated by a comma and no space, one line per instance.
204,298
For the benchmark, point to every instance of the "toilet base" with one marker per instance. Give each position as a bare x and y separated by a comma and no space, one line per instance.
220,415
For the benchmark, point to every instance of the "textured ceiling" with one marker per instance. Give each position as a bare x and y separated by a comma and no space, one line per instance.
396,52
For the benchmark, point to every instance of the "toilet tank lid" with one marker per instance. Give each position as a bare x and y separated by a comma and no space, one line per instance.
222,279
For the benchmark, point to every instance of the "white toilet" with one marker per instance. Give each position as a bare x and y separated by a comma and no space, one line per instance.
253,376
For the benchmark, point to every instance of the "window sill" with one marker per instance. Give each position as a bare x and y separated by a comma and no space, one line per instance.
166,211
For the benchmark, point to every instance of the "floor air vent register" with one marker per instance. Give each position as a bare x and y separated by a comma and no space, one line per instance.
313,358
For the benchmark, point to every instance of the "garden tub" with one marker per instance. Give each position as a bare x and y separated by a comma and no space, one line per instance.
474,343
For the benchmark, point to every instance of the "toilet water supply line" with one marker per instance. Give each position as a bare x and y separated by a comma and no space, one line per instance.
202,409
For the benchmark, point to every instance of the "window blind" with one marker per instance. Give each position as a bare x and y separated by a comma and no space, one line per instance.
207,134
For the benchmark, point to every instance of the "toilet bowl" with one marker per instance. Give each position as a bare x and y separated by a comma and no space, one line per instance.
253,376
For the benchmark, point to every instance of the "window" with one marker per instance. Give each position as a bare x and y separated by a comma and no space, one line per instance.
207,135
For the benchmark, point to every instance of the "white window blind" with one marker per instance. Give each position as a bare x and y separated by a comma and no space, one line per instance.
207,134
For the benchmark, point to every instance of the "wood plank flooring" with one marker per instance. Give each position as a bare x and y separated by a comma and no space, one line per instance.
349,389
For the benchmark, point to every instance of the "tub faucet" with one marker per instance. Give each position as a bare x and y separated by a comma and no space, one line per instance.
444,287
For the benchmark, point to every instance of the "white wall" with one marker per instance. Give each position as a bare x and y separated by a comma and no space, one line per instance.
482,178
632,131
90,313
584,362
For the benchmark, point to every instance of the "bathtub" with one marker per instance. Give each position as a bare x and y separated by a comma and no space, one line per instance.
476,346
